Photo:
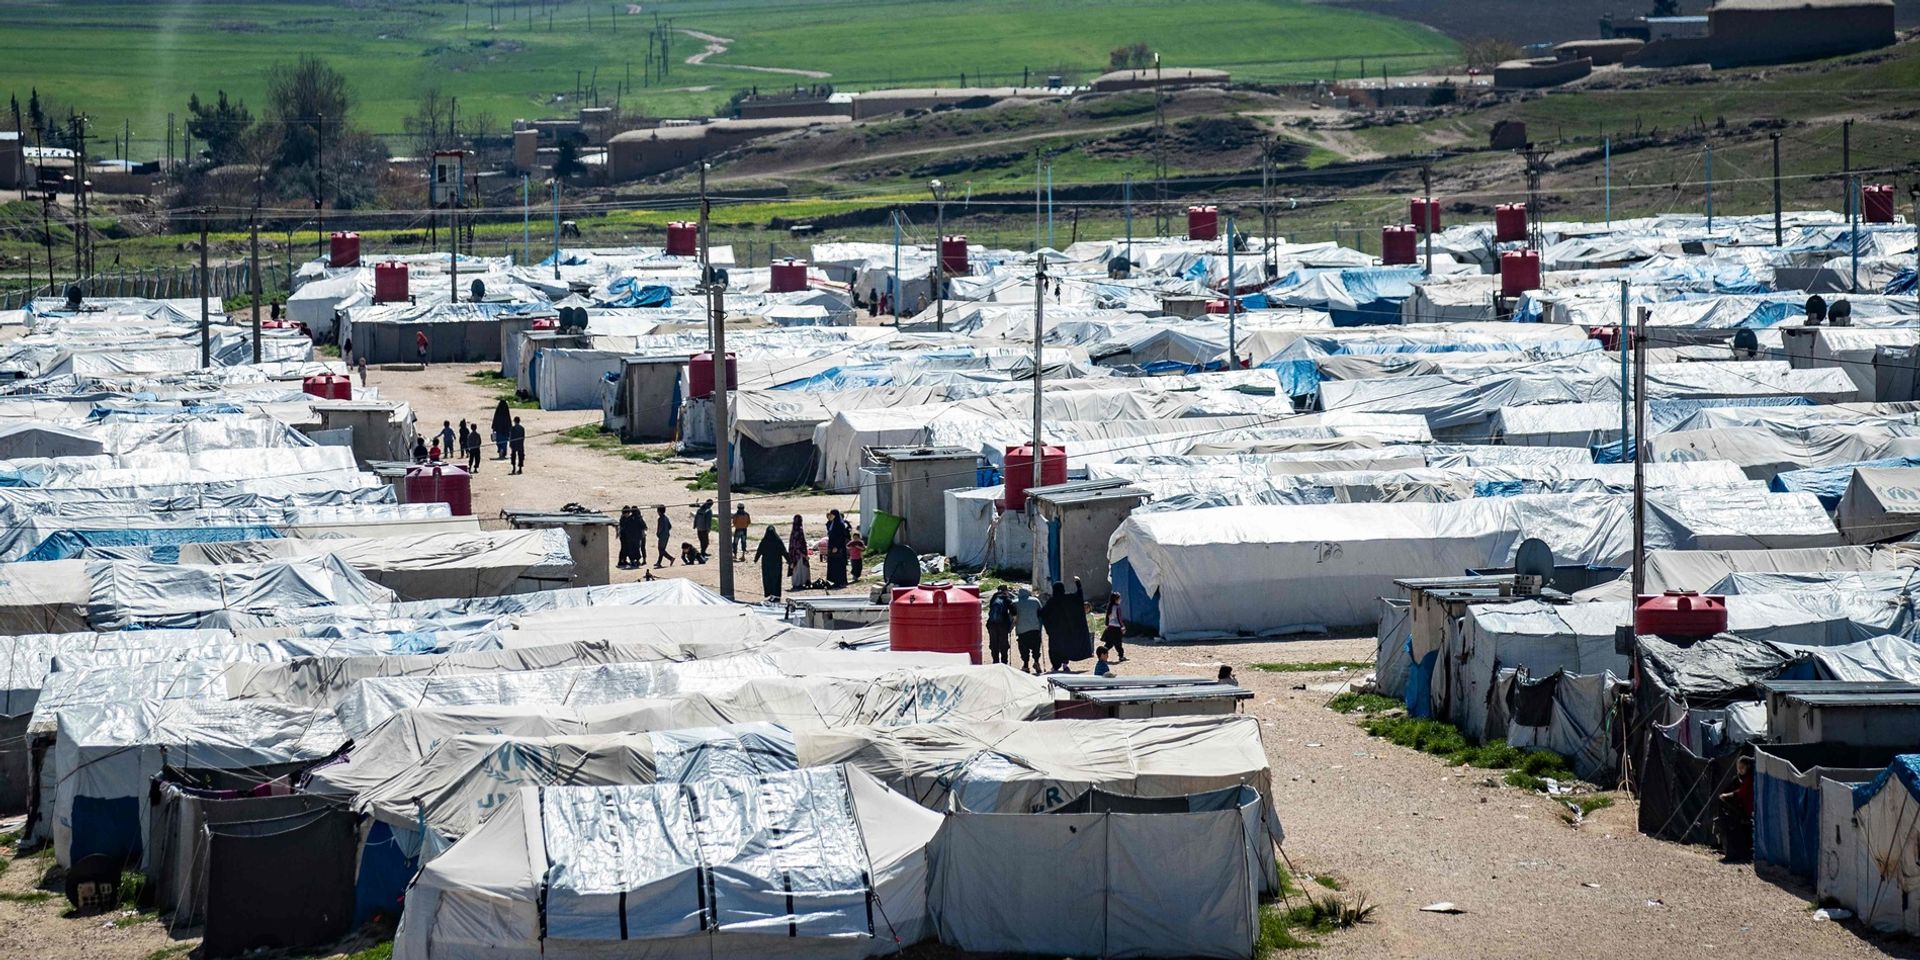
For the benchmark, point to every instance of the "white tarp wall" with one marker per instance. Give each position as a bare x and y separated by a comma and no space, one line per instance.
820,863
1103,884
1868,855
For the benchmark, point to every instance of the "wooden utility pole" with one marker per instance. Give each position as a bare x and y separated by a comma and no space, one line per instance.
206,329
253,268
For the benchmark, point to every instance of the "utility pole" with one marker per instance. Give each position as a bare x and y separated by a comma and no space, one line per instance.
1709,187
722,425
206,329
46,233
556,227
1606,148
1126,193
939,255
1853,203
1160,214
253,267
1777,233
1039,314
526,219
1268,265
893,282
1233,303
1050,204
320,187
1620,344
1639,458
1426,229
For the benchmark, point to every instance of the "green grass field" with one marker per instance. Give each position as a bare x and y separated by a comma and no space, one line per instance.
134,61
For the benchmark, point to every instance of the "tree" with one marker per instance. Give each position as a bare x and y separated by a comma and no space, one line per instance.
307,101
566,161
222,127
429,123
1486,52
1665,8
1136,55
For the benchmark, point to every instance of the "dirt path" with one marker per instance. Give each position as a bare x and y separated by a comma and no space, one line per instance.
559,473
970,145
718,45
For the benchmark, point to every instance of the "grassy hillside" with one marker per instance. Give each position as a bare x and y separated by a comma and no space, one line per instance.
137,60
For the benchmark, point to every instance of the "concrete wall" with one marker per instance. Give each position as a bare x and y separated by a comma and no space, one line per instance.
1540,73
919,497
13,162
1787,34
1085,529
811,107
1670,53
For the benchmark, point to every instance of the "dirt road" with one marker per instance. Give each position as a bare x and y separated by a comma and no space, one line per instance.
716,46
1399,828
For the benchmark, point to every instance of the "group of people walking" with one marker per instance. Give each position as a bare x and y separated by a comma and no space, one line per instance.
632,531
1019,619
844,553
465,444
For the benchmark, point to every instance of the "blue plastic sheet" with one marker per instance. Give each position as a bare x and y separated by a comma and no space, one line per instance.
630,292
1904,768
1830,483
165,541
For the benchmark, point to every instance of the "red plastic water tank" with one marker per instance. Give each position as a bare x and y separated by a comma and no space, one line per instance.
700,374
1425,214
1399,245
343,249
953,256
789,275
441,483
1519,272
389,282
328,386
1876,203
547,323
1217,306
1510,222
1203,223
935,618
1680,613
1019,471
683,239
277,324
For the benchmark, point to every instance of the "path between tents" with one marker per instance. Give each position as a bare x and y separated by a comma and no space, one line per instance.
718,45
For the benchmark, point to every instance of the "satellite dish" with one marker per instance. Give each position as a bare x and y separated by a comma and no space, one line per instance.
1816,310
73,296
479,289
1840,314
1745,343
1534,559
902,566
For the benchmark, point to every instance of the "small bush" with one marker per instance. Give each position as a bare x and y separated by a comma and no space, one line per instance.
1527,769
1363,703
1312,666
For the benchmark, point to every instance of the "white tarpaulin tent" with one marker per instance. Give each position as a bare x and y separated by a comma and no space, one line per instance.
1868,853
1174,877
1281,569
817,863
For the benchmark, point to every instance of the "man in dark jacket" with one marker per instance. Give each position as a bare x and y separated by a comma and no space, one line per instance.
633,538
662,529
999,623
517,447
1065,616
703,526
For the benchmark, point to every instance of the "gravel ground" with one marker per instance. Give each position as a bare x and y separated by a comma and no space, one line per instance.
1396,827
